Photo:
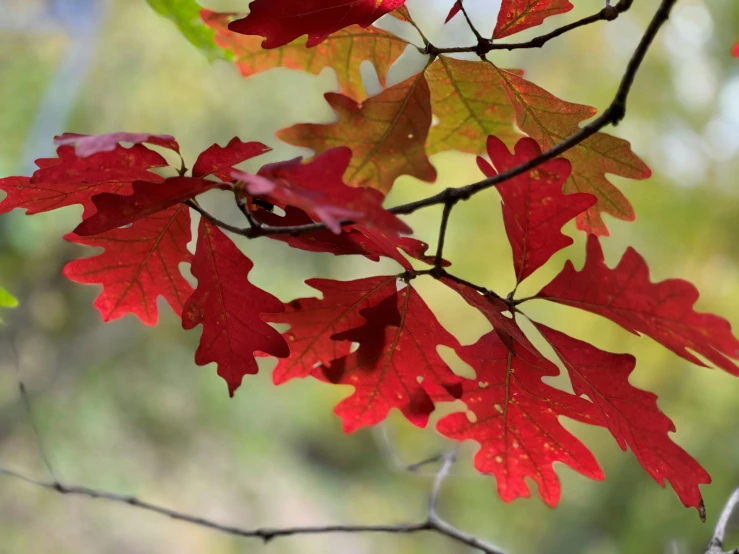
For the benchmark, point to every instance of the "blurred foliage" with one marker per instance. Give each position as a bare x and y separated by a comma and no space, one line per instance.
186,15
124,407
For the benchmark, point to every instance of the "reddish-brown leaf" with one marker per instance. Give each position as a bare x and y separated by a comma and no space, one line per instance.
387,134
282,21
662,311
139,263
516,15
69,179
344,51
549,121
630,414
116,210
474,99
219,161
317,187
514,417
534,208
87,145
229,307
314,321
396,364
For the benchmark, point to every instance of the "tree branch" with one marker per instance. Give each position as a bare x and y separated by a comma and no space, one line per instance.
609,13
716,544
432,523
611,116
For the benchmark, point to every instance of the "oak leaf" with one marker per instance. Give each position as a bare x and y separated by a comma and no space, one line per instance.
517,15
344,51
630,414
228,306
314,321
139,263
662,311
317,187
534,208
387,134
70,179
282,21
514,417
87,145
396,364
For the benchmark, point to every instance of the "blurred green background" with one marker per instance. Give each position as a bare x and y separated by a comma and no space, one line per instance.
123,407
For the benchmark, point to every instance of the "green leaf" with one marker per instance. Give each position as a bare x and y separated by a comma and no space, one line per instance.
186,15
7,300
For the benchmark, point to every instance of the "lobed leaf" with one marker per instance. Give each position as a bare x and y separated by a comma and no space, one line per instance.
283,21
70,179
517,15
396,364
317,187
630,414
344,51
662,311
139,263
534,208
228,306
314,322
387,134
514,417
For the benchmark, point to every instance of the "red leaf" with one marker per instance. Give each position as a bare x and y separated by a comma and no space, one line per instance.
348,242
377,242
229,307
513,415
456,8
314,321
139,264
516,15
317,188
396,364
494,310
355,239
662,311
115,210
87,145
70,180
219,161
282,21
631,414
534,208
735,50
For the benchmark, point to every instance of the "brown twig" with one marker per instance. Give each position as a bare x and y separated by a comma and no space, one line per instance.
716,544
609,13
613,114
432,523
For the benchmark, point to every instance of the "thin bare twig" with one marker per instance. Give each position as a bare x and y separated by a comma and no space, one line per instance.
609,13
432,524
716,544
439,258
28,408
478,36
